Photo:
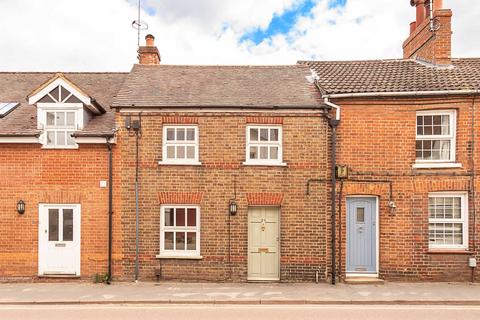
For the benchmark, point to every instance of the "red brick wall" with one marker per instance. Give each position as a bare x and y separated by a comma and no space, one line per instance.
36,176
376,139
222,151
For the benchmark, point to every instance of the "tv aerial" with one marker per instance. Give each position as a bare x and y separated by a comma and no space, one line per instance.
139,24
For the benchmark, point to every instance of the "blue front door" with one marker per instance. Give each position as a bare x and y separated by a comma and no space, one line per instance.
362,235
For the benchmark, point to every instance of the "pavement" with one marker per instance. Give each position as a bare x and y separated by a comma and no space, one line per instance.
239,293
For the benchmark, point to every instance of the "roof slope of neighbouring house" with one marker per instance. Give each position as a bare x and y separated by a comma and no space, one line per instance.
405,75
15,86
179,86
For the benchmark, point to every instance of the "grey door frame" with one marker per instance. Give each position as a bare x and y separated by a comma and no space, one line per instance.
377,236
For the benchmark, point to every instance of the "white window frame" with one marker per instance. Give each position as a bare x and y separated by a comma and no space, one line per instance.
452,137
166,143
44,108
180,254
463,220
279,144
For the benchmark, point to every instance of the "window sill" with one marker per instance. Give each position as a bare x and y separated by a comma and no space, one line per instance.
448,251
172,163
265,164
60,147
163,256
435,165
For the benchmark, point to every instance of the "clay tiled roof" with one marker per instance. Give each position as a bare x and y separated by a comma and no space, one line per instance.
15,86
218,86
339,77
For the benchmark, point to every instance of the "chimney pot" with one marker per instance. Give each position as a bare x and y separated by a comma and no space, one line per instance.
437,5
420,6
150,39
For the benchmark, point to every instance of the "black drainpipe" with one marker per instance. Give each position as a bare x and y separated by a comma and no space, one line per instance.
110,209
334,124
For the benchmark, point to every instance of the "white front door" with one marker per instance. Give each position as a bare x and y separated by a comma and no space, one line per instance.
59,240
263,244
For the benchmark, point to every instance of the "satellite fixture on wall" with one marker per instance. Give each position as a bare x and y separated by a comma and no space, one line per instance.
139,24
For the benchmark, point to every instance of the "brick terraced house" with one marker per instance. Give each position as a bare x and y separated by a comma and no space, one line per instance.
324,170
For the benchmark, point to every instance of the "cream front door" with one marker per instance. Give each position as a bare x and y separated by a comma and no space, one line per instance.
59,240
263,244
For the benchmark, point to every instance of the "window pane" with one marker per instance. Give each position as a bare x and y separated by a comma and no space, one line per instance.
419,120
191,134
437,120
67,224
253,152
60,119
191,241
168,245
50,119
191,217
360,215
180,134
170,152
180,217
170,134
253,134
55,93
263,134
274,153
180,152
71,119
190,152
179,240
169,222
427,130
445,124
52,224
50,137
273,134
61,138
70,139
263,152
427,120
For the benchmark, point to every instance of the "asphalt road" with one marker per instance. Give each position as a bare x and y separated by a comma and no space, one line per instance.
234,312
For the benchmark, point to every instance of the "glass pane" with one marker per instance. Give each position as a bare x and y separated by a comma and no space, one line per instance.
169,222
180,152
263,134
52,224
50,118
61,138
263,152
73,99
71,119
445,124
46,99
70,139
273,134
191,241
50,137
274,153
419,120
168,245
253,152
427,120
67,224
170,134
60,119
437,120
55,93
65,93
190,152
427,130
180,216
360,215
253,134
180,134
191,134
191,217
170,152
179,240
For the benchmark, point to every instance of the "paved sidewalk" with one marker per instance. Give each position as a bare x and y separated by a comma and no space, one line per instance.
239,293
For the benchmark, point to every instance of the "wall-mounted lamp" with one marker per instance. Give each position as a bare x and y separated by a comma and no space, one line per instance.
393,206
21,207
232,207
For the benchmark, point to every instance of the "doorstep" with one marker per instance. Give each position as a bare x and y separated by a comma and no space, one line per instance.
363,280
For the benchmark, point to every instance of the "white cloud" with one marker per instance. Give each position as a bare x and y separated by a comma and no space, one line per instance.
92,35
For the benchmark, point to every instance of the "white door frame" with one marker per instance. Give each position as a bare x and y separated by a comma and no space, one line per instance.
377,237
279,251
42,242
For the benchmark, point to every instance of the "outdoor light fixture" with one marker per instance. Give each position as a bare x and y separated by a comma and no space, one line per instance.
232,207
21,207
393,206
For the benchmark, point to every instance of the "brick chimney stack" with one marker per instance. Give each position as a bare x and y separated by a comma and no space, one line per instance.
149,53
430,41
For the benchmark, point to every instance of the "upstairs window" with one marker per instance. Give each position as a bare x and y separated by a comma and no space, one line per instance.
264,145
59,127
435,140
180,144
